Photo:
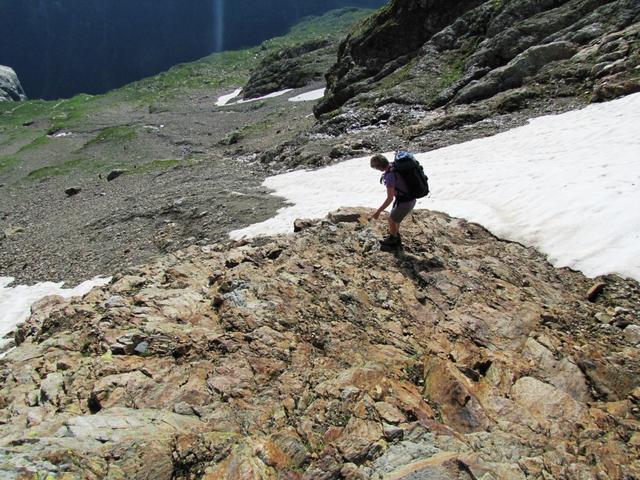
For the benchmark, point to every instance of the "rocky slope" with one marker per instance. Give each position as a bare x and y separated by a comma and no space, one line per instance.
426,74
317,356
191,172
10,87
469,51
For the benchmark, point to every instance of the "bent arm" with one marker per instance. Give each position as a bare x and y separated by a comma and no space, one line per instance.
391,192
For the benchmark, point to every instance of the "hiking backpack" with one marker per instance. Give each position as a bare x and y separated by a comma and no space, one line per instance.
406,165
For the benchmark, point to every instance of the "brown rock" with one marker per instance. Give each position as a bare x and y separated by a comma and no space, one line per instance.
595,290
301,224
323,358
358,439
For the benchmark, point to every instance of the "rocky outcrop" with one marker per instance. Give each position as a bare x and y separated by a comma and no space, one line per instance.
316,355
386,42
554,49
305,61
10,88
293,67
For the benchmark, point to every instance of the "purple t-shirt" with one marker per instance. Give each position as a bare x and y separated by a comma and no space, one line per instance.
397,182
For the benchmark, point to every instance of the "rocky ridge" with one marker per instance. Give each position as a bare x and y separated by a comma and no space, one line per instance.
294,67
317,356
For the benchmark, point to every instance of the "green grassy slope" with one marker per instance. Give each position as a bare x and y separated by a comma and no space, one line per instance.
26,150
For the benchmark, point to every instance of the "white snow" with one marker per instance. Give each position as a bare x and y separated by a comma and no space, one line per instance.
270,95
15,302
60,135
568,185
225,99
309,96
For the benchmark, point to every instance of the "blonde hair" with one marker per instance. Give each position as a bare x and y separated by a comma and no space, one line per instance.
379,161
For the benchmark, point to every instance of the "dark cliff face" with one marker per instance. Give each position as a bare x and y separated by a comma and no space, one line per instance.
438,53
61,48
397,32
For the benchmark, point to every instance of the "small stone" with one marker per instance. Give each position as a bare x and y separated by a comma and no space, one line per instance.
71,191
52,388
118,349
602,317
389,413
33,398
595,290
126,345
12,231
113,174
621,323
35,416
301,224
183,408
350,393
346,215
392,432
115,301
350,471
632,333
142,348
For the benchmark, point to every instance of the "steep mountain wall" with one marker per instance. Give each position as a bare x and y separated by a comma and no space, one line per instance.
62,48
387,41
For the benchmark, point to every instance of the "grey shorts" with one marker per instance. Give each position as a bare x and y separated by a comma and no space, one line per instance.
398,213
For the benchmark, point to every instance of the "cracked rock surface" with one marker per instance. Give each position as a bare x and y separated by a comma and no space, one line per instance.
318,356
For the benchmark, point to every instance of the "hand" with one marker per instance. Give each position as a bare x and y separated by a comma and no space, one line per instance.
374,216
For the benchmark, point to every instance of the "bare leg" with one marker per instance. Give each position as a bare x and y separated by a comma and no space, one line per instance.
394,227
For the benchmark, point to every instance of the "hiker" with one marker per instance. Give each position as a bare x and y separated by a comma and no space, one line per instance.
402,204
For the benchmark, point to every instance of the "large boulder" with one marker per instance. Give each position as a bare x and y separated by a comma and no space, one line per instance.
10,88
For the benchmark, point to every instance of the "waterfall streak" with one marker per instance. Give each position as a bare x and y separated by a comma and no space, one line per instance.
218,22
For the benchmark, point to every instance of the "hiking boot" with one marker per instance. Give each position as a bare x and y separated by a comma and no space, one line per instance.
390,241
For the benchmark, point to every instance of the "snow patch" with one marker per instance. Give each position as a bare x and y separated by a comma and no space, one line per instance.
309,96
226,99
568,185
15,302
